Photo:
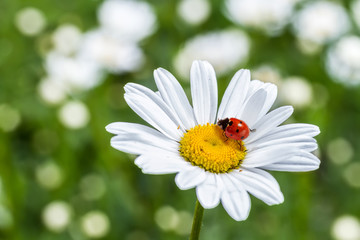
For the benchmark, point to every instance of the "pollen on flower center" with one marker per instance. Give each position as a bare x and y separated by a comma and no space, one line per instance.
207,147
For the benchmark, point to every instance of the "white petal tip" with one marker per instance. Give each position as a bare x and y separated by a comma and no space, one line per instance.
316,130
208,200
110,128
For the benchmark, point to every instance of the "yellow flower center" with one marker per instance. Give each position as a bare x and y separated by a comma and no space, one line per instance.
206,146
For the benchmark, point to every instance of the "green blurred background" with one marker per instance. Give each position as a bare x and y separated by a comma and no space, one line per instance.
63,65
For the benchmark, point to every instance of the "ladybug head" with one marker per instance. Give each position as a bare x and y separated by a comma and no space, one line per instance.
223,123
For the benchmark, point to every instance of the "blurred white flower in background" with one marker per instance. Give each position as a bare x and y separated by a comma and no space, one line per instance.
78,61
111,53
308,47
355,10
296,91
30,21
343,60
321,22
66,39
268,73
72,73
346,227
265,15
225,50
129,20
194,12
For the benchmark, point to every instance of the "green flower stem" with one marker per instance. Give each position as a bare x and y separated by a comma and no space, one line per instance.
197,221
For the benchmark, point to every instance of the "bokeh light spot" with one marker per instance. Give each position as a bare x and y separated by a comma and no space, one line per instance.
57,216
351,174
95,224
6,218
185,223
51,92
194,11
30,21
167,218
10,118
49,175
92,187
74,115
340,151
346,227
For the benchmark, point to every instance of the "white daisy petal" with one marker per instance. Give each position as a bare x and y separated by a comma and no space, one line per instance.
190,178
234,198
235,94
203,91
128,128
138,90
292,130
253,87
155,97
150,107
266,175
161,163
271,90
269,122
174,96
208,193
260,184
250,111
302,142
154,115
145,134
301,162
266,156
141,144
271,95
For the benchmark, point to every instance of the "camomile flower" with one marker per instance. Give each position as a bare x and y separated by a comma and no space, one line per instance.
186,139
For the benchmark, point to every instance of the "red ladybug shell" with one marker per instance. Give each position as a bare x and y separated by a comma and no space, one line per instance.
234,128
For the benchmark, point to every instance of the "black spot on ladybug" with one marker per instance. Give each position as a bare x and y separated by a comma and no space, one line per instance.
242,137
230,123
241,122
230,134
237,130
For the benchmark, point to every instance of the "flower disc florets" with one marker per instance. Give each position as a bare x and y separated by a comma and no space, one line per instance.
207,147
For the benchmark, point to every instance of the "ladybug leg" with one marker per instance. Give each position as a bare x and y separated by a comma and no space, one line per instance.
225,136
252,130
240,146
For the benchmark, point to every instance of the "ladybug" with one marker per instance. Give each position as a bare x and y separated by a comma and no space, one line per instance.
234,128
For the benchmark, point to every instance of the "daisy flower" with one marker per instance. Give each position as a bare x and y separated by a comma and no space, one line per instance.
186,139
